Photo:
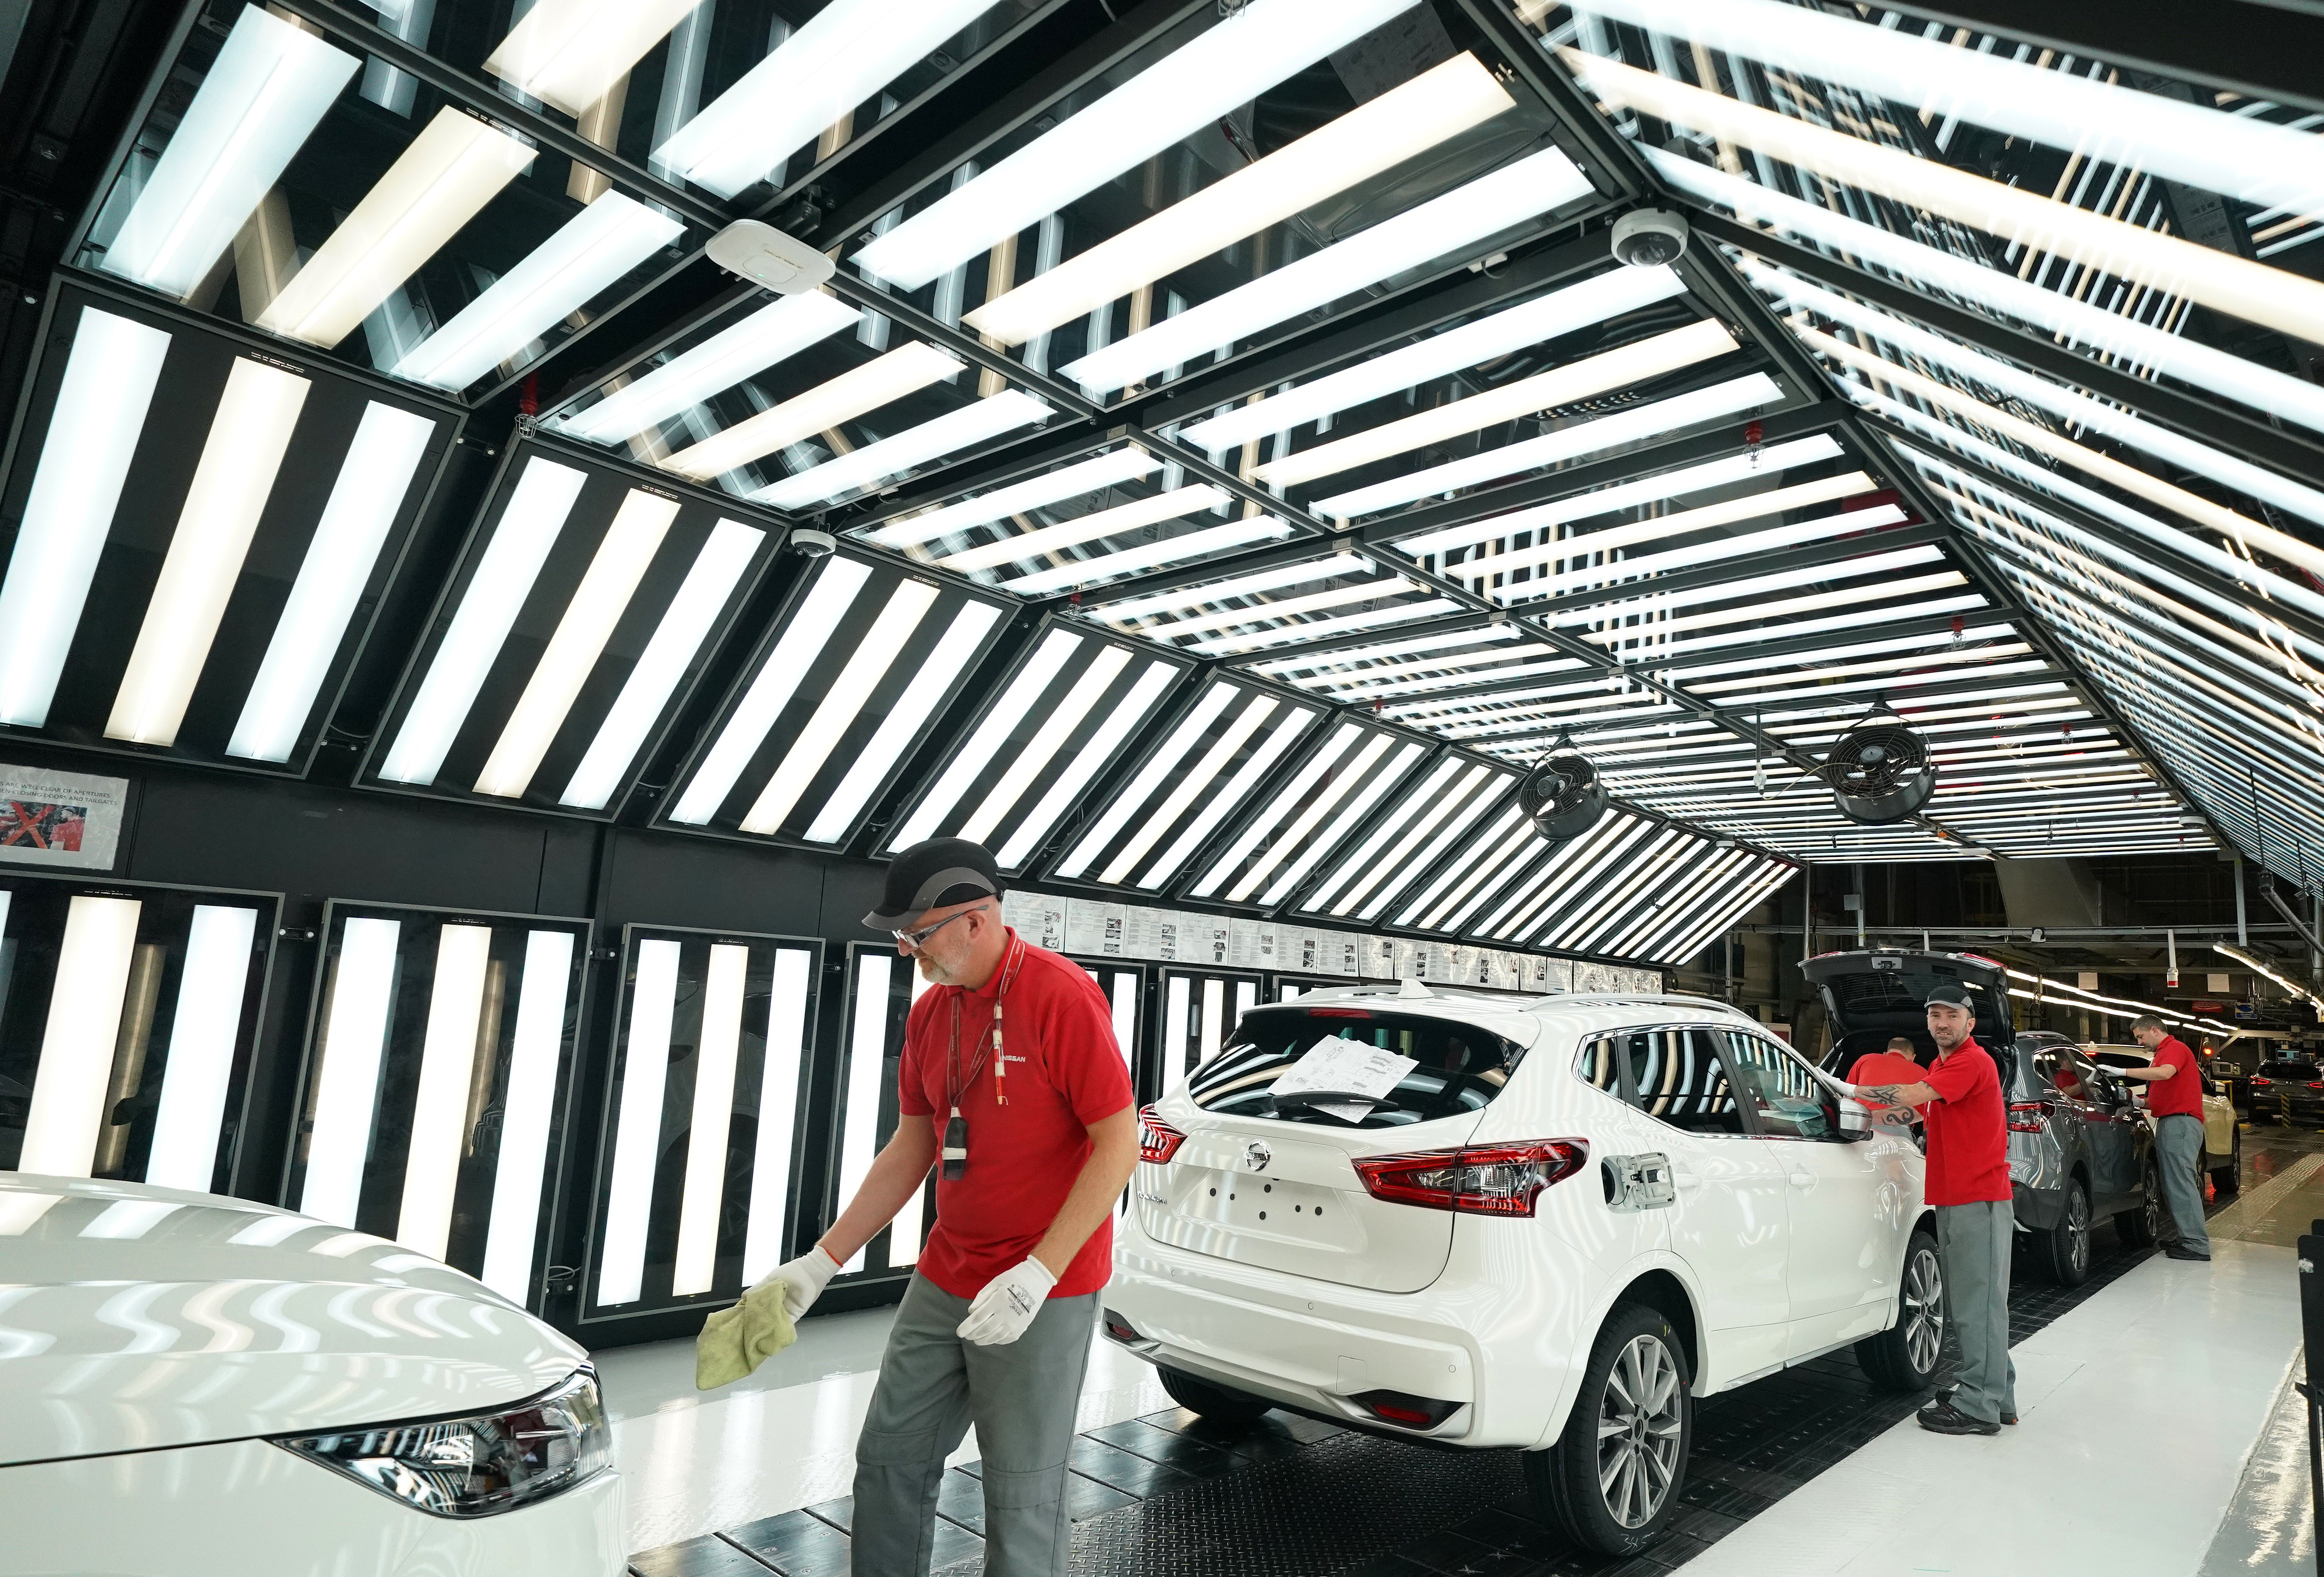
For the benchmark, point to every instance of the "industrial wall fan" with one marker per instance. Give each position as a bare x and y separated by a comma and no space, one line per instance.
1879,771
1562,793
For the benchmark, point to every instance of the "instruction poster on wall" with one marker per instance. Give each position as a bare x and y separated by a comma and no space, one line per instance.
61,821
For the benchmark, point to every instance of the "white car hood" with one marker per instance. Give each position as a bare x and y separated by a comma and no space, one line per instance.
133,1318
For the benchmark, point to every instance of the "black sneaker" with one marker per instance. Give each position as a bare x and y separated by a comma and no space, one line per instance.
2174,1252
1944,1418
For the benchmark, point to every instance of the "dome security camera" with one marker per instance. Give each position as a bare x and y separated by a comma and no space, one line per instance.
809,543
766,257
1649,237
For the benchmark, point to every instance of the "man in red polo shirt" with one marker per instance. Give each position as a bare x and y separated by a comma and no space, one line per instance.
1968,1183
2175,1099
1012,1079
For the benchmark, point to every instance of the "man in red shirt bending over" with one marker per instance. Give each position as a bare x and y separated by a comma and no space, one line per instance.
1968,1181
1011,1078
2174,1099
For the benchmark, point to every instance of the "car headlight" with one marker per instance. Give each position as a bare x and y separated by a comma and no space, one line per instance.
481,1464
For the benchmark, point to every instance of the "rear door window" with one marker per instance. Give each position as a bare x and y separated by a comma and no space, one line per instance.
1678,1078
1785,1100
1459,1067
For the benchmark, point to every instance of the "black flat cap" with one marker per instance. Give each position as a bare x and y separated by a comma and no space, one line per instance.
1951,993
932,875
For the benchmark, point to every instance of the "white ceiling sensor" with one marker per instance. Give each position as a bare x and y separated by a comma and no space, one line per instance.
438,184
766,257
1401,123
1442,226
1561,312
268,89
1208,78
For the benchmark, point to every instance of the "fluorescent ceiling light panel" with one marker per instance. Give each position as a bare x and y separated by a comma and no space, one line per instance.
1430,802
842,56
100,409
1155,771
347,1088
1583,437
2266,165
809,631
1105,523
587,254
1171,550
1387,585
961,641
1615,369
1224,797
520,1172
1770,462
579,639
1324,629
1192,87
637,1128
249,432
1702,518
447,1063
905,370
1401,123
779,1082
1551,317
1031,682
1311,849
265,93
859,1134
891,456
2219,280
874,655
1242,586
2110,334
772,334
718,1045
1322,760
373,482
1854,596
1198,776
685,624
204,1026
1436,228
1042,748
527,528
2076,409
570,53
1153,683
454,167
69,1106
1123,464
1349,656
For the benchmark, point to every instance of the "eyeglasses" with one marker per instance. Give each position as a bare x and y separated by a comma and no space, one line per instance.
912,939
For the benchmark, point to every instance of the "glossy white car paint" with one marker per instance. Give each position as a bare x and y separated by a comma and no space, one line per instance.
1785,1249
149,1337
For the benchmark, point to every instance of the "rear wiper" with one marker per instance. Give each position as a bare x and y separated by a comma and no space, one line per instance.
1299,1098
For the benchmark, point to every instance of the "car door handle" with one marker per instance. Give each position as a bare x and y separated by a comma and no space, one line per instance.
1803,1178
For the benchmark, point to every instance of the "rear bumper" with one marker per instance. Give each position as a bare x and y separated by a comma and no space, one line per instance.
1505,1350
2037,1208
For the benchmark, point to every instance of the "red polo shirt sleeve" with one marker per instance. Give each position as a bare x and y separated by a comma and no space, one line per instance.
2181,1094
1968,1137
1064,1072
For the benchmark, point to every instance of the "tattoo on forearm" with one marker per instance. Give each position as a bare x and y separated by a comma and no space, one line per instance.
1884,1095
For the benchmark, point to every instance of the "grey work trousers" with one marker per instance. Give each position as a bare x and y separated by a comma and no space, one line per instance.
1021,1396
1973,1242
2179,1141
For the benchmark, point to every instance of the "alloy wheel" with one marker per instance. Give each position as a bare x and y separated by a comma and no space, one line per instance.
2153,1206
1638,1432
1924,1310
2077,1231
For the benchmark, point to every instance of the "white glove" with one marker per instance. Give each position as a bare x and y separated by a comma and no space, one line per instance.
998,1314
804,1279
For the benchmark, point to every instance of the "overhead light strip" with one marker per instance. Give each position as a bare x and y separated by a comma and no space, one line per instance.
1117,521
1123,464
772,334
637,1123
1143,695
204,1028
854,393
1661,527
346,1087
1169,550
69,1108
891,456
521,1171
1217,591
1155,772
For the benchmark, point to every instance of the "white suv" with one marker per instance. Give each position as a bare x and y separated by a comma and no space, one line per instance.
1557,1229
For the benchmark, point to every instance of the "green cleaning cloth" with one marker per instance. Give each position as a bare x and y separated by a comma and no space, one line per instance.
736,1340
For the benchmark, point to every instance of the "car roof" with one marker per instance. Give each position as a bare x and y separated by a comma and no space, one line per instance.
1452,1002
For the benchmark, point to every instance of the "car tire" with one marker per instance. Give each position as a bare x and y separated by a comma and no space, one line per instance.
2065,1250
1618,1450
1223,1403
1905,1357
2141,1227
2228,1180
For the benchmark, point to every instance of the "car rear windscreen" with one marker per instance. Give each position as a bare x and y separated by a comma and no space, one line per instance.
2287,1070
1457,1067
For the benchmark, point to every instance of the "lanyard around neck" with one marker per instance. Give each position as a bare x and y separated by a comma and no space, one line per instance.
989,1044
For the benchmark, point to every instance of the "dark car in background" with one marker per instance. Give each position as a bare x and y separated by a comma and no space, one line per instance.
2079,1151
2289,1090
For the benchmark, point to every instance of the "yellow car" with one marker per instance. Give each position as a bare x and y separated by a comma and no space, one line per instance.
2223,1141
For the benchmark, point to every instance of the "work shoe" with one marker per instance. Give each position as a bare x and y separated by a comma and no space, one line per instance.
1944,1418
2173,1252
1944,1398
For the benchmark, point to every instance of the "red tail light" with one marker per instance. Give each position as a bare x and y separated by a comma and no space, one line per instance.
1339,1012
1412,1412
2316,1086
1157,1142
1475,1180
2260,1083
2028,1116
